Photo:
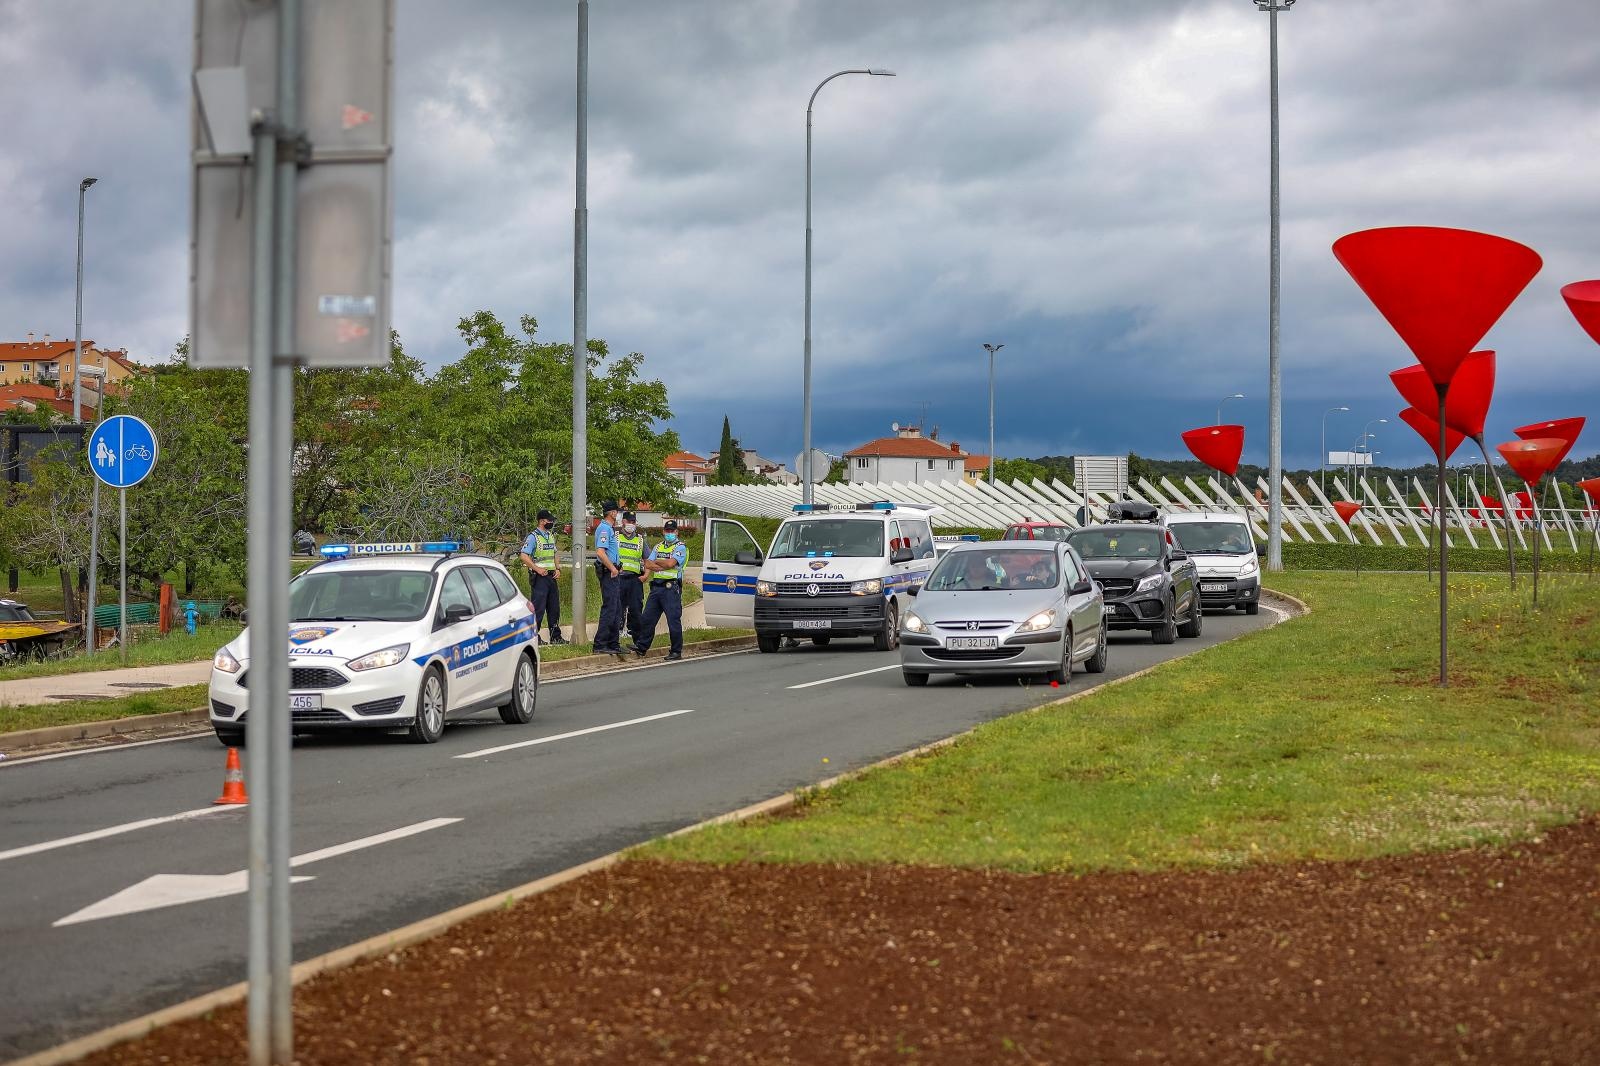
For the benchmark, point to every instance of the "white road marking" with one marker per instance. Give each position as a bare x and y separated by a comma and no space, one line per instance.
846,677
170,890
15,761
567,736
111,831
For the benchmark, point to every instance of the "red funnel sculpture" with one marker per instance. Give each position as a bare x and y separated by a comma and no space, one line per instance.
1467,406
1591,489
1219,447
1583,298
1532,459
1441,289
1428,430
1567,429
1346,510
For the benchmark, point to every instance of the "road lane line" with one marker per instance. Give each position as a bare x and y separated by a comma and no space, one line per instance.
845,677
372,841
567,736
110,831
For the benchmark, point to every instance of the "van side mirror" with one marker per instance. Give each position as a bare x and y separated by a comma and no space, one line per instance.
902,555
747,558
1261,551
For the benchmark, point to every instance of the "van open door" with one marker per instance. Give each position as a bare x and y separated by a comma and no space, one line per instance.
731,564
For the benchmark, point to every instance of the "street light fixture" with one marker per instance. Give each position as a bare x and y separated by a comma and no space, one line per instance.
805,414
991,349
1365,435
1274,374
1323,465
1225,399
77,332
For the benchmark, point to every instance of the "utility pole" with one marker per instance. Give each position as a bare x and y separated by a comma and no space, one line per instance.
580,341
991,349
1274,369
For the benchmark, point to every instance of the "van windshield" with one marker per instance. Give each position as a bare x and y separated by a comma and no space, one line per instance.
1226,538
821,538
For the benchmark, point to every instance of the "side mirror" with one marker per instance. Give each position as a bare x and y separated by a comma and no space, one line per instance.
457,613
244,617
902,555
1178,555
747,558
912,590
1083,585
1261,551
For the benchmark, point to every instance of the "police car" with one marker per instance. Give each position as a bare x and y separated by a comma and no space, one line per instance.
394,636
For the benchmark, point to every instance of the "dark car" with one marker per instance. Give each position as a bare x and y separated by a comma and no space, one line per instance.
1149,582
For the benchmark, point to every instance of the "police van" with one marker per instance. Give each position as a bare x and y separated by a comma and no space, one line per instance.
830,572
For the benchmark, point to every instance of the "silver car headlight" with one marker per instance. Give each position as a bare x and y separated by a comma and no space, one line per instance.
1148,582
766,588
225,662
1248,568
379,659
1042,620
870,587
914,624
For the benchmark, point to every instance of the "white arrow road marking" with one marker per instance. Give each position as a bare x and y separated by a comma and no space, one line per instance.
111,831
568,736
846,677
169,890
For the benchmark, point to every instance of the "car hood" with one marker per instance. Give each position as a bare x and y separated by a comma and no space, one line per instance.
311,642
1013,606
1101,569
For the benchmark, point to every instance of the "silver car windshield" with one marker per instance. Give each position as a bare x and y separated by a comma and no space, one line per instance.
992,571
360,596
826,538
1226,538
1117,543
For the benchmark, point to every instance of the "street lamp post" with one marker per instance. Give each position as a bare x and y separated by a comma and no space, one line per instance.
991,349
805,413
1322,465
1225,399
1365,435
77,331
580,336
1274,375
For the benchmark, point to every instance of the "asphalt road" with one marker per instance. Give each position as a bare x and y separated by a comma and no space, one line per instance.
754,726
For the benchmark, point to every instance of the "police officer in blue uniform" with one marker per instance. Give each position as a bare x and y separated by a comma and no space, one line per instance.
544,591
608,631
665,567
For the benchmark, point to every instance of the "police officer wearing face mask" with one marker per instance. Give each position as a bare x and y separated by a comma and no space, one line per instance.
608,631
544,592
665,568
630,558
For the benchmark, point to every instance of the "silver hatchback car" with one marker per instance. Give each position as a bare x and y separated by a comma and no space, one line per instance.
1013,607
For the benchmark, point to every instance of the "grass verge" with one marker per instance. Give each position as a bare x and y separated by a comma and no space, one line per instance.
1322,738
72,712
147,649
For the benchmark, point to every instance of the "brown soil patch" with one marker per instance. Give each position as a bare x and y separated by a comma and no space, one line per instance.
1489,956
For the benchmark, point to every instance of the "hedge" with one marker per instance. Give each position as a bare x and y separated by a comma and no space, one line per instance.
1390,557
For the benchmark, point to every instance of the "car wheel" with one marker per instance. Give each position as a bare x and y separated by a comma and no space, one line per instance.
1191,628
767,642
888,638
1096,663
914,680
230,738
1167,632
428,726
1252,608
821,642
1063,673
524,693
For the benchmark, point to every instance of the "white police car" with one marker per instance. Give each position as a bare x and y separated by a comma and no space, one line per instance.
394,636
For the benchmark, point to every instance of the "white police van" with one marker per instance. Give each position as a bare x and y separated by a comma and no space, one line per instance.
393,636
829,573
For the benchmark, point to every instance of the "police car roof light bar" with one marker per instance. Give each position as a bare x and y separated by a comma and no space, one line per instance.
431,547
807,508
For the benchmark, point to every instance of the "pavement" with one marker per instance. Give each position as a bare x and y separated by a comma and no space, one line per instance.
123,885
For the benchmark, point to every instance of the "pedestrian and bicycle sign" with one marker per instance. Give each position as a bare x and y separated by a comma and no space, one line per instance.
122,451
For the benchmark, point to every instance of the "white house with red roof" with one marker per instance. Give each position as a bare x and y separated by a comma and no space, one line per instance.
907,457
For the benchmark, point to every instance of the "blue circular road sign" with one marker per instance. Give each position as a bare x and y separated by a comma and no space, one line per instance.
122,451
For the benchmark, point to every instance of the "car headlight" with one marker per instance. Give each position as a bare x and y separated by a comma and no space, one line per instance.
225,662
914,624
766,588
378,659
870,587
1039,621
1248,568
1149,581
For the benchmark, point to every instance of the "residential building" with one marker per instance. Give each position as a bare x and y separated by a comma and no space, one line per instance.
690,468
30,397
762,467
50,362
907,457
976,469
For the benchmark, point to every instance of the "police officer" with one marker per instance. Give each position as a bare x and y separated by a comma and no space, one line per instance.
665,567
608,631
544,592
630,558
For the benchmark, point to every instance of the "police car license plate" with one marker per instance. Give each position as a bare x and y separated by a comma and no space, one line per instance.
1213,586
973,643
305,702
814,623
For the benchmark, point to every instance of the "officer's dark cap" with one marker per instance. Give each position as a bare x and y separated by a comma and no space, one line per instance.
629,516
670,526
610,505
543,514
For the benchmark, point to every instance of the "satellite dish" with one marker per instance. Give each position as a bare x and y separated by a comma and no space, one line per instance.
894,427
820,465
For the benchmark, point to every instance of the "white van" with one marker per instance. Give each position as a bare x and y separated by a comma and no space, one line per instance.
1225,553
829,573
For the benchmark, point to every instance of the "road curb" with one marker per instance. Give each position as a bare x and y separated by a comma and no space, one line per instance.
427,928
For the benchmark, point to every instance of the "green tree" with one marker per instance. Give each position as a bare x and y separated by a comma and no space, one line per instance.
730,460
1024,470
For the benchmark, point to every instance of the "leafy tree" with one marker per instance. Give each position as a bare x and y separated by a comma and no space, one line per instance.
730,461
1024,470
838,472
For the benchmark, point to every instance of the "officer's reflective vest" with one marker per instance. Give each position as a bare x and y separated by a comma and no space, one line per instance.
664,551
544,549
630,553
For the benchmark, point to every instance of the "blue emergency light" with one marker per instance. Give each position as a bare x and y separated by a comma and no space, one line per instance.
807,508
335,551
877,505
343,551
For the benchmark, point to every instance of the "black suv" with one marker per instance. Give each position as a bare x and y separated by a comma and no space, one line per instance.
1148,581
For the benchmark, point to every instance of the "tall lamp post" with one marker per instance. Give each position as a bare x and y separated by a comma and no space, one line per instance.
1323,465
991,349
1365,435
1225,399
77,331
580,338
1274,375
805,413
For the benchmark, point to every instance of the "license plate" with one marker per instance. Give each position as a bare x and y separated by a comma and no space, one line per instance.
1120,608
814,623
1213,586
305,702
972,643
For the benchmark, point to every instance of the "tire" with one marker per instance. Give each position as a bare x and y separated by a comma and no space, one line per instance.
1167,633
524,693
428,726
230,738
821,642
1096,663
767,642
1062,674
1197,614
1252,608
888,638
914,680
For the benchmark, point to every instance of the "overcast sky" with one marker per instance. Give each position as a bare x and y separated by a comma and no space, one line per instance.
1082,180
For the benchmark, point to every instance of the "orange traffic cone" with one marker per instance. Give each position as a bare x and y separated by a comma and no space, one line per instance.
232,782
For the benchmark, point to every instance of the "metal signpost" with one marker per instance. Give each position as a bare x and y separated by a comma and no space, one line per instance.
289,268
122,452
